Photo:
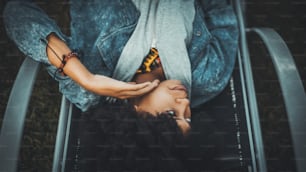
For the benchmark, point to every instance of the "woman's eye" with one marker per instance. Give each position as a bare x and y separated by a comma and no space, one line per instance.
171,113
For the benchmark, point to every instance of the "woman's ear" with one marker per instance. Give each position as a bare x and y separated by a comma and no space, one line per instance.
135,101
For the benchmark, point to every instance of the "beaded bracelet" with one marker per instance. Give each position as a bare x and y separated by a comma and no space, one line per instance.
65,59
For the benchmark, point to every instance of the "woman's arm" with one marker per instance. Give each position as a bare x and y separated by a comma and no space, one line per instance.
26,25
98,84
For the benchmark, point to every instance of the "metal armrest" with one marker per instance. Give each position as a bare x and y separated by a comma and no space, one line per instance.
292,89
249,95
13,121
62,137
14,117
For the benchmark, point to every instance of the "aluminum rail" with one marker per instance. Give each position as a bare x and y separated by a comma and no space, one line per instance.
292,90
15,114
259,164
62,136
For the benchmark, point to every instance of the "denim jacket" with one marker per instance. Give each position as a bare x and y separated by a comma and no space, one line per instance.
100,30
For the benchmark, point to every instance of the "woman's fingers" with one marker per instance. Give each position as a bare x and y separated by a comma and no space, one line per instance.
144,85
111,87
139,89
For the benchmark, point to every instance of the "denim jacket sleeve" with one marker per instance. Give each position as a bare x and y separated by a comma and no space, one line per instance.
27,25
213,49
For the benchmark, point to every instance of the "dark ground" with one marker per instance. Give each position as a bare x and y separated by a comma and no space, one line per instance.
287,17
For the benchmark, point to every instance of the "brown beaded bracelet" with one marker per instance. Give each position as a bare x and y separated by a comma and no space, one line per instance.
65,59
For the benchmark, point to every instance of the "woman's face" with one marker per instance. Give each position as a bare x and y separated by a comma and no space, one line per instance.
169,97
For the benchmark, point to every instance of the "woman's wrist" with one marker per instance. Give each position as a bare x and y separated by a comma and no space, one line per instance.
57,50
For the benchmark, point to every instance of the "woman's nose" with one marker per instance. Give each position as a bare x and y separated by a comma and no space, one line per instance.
184,101
184,109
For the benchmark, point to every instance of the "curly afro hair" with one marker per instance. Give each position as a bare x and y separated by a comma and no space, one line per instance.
114,137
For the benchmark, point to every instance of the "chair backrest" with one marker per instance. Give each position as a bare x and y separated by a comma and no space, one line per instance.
235,113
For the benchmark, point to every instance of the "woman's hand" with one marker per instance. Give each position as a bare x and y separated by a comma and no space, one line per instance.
106,86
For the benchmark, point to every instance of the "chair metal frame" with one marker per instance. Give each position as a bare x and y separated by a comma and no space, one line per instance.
290,81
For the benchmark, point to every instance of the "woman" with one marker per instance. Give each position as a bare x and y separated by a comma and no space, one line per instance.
103,30
196,43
